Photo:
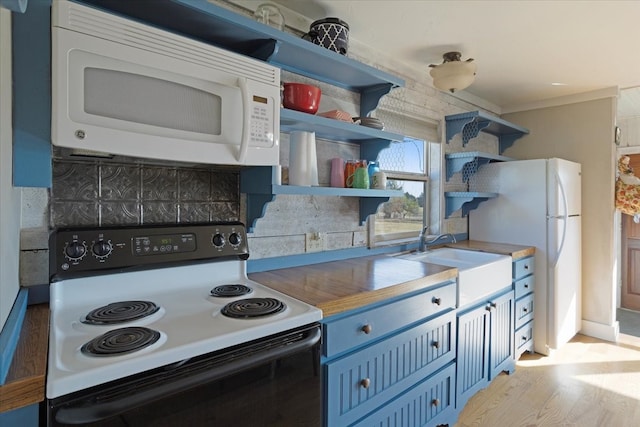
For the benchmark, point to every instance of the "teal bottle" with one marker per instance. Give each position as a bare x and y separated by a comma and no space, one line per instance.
373,168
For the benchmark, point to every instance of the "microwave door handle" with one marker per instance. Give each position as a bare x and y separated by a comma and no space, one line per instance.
246,119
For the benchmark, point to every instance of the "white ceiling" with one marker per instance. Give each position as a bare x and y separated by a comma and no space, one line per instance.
520,47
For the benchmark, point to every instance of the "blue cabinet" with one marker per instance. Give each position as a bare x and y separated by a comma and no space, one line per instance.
523,285
485,344
31,41
382,359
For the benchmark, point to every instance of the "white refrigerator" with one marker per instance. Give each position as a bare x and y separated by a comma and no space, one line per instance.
538,204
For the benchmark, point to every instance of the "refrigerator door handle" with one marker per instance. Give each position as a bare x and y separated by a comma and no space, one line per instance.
561,218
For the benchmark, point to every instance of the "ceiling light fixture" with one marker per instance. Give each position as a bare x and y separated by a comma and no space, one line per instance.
453,74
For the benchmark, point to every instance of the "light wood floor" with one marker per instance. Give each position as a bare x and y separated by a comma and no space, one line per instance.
587,383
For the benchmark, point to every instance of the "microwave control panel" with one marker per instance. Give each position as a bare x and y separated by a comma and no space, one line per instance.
262,121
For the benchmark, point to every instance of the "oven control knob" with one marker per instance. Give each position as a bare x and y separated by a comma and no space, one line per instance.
75,251
102,249
235,239
218,240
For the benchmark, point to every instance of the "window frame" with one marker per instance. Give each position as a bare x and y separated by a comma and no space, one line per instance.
377,240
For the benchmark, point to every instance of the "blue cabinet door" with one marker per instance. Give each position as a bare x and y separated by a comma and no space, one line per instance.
472,372
502,347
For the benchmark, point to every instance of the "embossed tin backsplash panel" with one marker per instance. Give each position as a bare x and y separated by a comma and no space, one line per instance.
98,193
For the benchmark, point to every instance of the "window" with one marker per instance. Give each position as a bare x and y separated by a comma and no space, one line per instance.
403,217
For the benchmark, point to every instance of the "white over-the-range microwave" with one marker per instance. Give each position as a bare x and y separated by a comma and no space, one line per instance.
125,88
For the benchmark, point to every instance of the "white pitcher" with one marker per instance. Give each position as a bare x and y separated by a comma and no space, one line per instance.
303,161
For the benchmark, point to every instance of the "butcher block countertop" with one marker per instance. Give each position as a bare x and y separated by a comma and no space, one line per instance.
515,251
338,286
26,378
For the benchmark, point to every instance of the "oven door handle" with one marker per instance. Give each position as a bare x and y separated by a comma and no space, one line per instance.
94,408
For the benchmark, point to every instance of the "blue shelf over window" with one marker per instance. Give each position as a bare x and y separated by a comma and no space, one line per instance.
218,26
256,183
465,200
472,123
468,162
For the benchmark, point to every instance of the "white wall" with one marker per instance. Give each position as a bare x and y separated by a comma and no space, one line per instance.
583,132
9,196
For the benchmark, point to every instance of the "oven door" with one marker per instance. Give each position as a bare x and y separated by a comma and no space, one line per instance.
267,382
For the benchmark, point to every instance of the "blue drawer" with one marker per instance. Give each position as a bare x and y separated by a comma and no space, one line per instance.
524,310
523,267
366,326
524,339
364,381
524,286
430,403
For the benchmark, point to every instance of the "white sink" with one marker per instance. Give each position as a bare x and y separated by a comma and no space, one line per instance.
480,274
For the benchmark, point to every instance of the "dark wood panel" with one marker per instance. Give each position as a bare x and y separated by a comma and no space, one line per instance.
26,378
630,295
632,228
631,292
635,163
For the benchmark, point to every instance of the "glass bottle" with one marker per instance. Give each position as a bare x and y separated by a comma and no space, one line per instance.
373,168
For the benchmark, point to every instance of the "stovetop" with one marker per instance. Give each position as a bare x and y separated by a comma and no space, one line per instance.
189,319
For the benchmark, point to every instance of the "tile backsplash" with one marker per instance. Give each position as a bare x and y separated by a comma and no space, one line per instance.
101,193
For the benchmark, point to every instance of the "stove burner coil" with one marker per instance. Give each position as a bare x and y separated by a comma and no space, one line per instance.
121,341
120,312
253,307
233,290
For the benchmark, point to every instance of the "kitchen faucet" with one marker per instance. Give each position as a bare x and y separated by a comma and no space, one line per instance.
422,242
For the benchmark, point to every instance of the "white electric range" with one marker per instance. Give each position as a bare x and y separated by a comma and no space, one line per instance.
125,301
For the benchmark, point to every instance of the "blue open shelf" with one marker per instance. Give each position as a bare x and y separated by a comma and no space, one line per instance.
465,200
468,162
474,122
256,183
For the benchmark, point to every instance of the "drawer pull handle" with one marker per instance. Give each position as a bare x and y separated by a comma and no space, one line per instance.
436,344
365,383
526,286
367,329
524,338
525,309
436,300
526,266
435,402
